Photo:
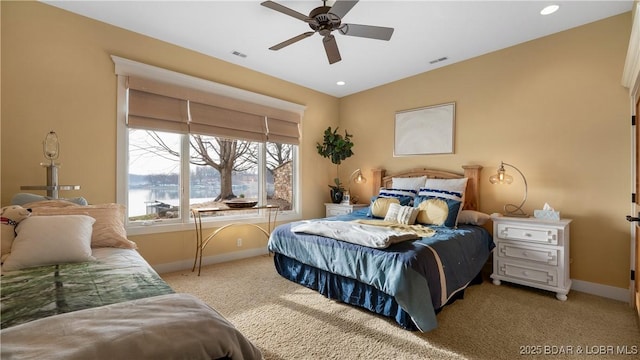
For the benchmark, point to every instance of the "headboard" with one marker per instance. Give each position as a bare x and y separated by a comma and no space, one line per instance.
472,172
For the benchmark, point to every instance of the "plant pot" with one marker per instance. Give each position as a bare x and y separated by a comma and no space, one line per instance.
336,196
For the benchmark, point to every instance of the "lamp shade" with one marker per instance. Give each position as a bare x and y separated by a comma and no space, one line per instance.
501,177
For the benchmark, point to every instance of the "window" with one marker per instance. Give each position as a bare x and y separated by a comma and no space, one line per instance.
180,147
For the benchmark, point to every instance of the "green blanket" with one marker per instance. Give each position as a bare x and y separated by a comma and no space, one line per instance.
117,275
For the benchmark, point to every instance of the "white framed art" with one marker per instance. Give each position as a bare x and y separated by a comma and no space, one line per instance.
427,130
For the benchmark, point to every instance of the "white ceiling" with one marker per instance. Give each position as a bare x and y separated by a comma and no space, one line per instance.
424,31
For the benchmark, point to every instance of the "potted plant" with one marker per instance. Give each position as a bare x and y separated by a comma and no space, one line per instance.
337,148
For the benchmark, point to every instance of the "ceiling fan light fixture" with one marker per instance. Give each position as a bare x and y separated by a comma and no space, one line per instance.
548,10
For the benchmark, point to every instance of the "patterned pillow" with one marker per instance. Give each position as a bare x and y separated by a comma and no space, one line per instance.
401,214
405,197
452,191
397,193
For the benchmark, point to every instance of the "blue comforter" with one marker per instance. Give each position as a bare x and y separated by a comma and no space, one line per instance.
421,275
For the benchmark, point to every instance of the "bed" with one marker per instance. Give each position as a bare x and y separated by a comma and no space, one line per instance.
74,287
408,279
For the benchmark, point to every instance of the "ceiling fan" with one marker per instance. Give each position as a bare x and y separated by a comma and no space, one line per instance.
324,20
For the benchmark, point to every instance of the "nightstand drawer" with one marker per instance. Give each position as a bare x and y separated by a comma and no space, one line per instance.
531,274
539,255
338,211
533,234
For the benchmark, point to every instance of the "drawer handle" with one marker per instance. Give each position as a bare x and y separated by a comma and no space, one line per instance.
525,273
525,254
527,234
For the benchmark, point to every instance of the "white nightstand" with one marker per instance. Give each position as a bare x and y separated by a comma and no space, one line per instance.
342,209
532,252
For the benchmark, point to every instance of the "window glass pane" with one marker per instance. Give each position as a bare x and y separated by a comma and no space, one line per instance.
154,175
280,175
221,170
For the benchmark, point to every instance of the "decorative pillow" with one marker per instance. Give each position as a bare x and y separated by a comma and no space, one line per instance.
380,206
25,198
401,214
108,230
48,240
397,193
57,203
453,208
473,217
408,183
450,190
433,211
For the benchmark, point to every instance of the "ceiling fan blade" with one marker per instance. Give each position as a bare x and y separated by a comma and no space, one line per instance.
331,48
341,7
292,40
285,10
367,31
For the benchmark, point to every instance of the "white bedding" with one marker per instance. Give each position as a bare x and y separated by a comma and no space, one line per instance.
174,326
357,233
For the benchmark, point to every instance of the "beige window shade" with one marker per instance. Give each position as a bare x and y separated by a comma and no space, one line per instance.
157,112
283,131
215,121
224,116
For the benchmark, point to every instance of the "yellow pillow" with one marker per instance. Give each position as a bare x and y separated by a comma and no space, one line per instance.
380,206
433,212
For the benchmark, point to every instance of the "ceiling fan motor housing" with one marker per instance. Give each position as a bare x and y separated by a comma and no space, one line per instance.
324,22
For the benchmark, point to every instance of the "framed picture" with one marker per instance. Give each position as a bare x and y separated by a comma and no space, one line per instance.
428,130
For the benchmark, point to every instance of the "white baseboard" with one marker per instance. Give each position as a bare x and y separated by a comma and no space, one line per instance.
208,260
610,292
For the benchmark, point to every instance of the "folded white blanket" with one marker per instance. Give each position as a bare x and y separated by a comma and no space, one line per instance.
362,234
174,326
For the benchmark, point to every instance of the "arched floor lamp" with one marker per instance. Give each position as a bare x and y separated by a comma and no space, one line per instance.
501,177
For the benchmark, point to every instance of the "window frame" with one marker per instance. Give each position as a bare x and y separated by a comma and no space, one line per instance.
124,68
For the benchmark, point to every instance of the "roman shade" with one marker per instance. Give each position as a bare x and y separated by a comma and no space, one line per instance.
154,105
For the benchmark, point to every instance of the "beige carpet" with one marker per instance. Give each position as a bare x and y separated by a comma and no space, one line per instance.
288,321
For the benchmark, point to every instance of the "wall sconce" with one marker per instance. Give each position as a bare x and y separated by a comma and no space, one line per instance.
357,178
501,177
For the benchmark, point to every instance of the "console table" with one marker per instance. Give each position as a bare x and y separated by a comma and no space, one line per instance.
201,242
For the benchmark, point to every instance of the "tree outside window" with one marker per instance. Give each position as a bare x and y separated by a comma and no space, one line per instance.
219,169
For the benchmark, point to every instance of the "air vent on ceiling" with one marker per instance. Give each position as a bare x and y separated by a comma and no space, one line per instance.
238,53
438,60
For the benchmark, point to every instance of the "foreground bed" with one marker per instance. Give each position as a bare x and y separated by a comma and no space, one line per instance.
408,281
114,306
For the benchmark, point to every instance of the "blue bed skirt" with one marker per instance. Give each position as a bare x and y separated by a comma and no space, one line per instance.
350,291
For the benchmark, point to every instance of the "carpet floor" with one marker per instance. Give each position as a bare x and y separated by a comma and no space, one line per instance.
288,321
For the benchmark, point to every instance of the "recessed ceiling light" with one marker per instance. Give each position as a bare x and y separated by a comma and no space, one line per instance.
341,83
549,10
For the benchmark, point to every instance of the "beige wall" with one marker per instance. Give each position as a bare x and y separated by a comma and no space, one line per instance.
57,74
554,107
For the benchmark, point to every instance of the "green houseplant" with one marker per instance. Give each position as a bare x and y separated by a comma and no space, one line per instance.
337,148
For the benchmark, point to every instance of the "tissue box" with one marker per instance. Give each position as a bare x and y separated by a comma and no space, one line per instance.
546,214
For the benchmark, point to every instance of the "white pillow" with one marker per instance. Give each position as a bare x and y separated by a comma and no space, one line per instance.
408,183
473,217
48,240
401,214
